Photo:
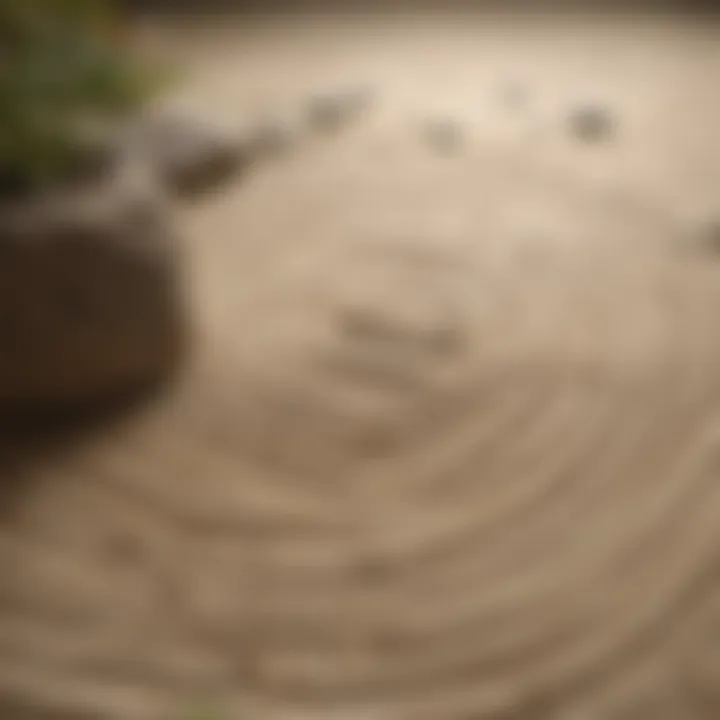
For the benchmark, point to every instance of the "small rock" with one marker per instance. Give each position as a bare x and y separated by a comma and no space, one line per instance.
445,135
271,136
331,111
192,158
326,112
359,99
591,123
708,235
514,95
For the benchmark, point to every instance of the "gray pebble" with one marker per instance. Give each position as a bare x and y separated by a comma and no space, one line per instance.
192,157
708,236
360,99
514,95
591,123
272,136
325,112
445,135
331,111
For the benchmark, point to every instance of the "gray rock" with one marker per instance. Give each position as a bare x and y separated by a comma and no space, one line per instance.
444,134
360,99
514,95
271,137
330,111
591,123
707,236
192,157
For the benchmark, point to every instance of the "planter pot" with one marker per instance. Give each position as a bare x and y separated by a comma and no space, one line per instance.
91,302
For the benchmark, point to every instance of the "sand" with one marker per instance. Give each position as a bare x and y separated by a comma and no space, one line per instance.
447,446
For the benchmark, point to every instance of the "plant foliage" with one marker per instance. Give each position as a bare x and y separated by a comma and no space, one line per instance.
64,66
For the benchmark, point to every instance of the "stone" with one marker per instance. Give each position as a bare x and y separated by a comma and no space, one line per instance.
514,95
705,235
359,99
192,157
91,303
330,111
326,112
444,134
271,136
591,123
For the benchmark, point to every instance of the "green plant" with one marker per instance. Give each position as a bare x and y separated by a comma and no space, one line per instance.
64,69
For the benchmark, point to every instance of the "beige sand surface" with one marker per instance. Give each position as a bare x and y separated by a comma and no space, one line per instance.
448,445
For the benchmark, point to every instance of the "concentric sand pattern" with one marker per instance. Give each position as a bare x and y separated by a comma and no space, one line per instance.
448,450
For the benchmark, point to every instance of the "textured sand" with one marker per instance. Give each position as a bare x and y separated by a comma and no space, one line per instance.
448,445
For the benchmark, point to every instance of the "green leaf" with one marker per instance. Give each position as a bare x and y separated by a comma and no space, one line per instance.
60,69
